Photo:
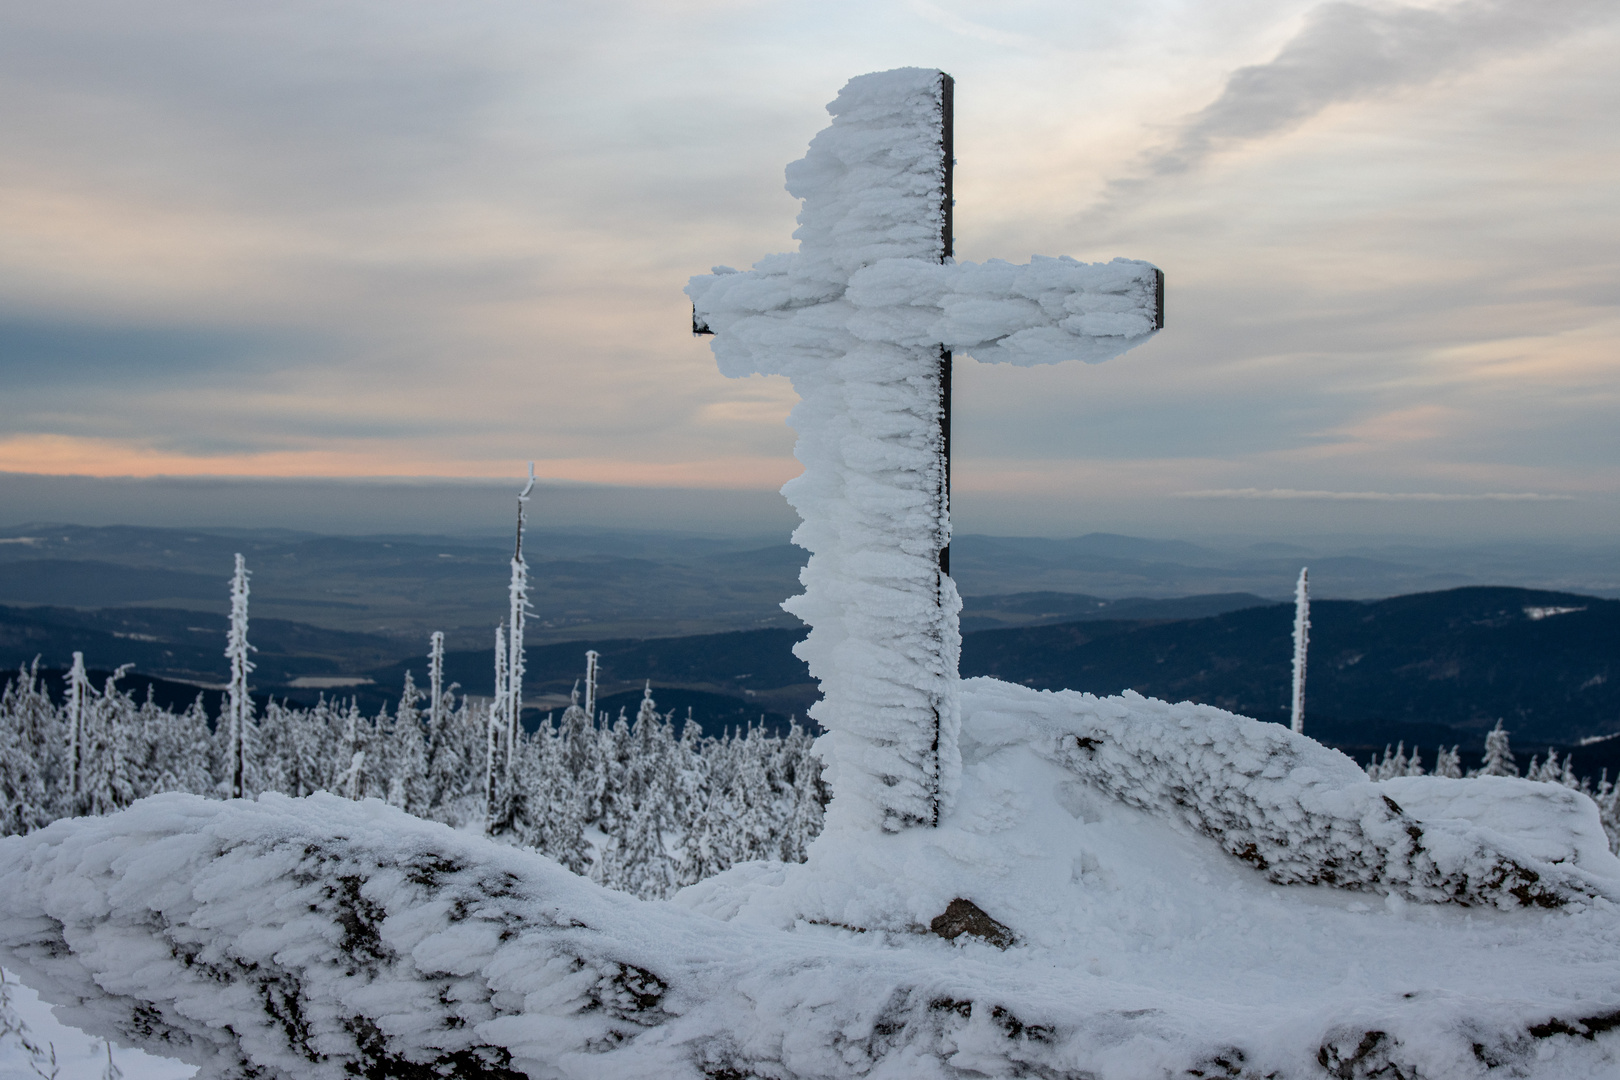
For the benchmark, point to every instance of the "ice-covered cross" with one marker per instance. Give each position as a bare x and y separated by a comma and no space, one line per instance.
864,319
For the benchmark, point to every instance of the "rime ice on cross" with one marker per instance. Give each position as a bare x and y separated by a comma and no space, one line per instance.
864,319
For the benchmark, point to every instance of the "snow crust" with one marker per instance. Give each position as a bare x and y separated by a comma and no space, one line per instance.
304,938
858,319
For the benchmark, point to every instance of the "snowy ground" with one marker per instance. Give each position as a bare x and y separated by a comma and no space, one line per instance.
1133,848
78,1056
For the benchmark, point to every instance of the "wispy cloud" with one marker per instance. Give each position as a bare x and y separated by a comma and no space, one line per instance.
1349,52
977,31
1375,496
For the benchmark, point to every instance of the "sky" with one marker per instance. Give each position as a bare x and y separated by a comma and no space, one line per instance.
365,240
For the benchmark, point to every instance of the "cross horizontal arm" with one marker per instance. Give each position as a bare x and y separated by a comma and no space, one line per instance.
1043,312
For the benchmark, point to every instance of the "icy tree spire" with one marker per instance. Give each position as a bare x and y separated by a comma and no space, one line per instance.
239,703
496,724
436,679
591,656
519,596
1302,640
78,693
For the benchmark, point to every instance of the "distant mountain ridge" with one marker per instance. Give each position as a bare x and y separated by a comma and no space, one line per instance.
1037,608
1440,665
1543,662
624,583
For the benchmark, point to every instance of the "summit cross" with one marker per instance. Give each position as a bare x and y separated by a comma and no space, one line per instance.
864,319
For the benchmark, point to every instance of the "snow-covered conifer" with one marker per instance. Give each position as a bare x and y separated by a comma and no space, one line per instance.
709,844
111,750
33,751
1498,755
1448,763
756,827
1607,797
354,776
456,760
407,753
639,862
350,780
809,795
1302,638
559,801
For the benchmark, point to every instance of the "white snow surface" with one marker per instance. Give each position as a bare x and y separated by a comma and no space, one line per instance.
857,318
1100,831
78,1056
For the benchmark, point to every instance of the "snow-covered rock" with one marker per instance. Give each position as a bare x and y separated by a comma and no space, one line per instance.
322,937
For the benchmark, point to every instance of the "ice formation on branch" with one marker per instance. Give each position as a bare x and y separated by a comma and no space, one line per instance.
861,319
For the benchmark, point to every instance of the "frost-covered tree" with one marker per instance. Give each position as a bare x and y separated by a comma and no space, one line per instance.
1396,764
239,702
627,803
456,755
557,802
33,752
351,782
1302,639
1607,797
1448,763
639,861
809,794
613,755
407,753
1498,755
1555,770
112,750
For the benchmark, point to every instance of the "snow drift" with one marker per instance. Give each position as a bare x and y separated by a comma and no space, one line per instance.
1115,838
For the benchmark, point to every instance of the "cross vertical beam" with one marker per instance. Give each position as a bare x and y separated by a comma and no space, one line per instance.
946,96
866,319
947,243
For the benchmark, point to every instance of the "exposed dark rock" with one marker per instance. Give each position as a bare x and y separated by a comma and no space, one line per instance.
965,917
1365,1055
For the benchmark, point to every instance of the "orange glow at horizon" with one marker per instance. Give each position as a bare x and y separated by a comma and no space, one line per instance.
63,455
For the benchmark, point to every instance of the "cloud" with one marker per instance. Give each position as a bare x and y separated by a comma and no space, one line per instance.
1349,52
44,352
1374,496
956,24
